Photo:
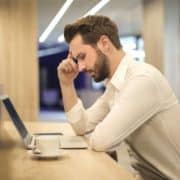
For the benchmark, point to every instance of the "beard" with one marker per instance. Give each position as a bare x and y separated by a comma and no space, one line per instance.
101,67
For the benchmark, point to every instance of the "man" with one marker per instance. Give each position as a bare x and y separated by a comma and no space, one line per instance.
138,106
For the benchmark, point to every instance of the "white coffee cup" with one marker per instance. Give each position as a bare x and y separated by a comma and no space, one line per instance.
47,145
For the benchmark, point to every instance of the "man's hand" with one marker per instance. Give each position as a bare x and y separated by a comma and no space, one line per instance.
67,71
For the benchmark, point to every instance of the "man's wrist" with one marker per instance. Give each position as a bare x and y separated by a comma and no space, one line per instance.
66,85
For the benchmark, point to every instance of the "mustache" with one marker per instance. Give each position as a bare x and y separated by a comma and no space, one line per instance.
89,71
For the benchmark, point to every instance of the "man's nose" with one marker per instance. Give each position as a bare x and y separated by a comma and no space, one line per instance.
81,66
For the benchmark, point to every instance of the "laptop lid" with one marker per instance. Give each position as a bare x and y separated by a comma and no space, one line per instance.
23,132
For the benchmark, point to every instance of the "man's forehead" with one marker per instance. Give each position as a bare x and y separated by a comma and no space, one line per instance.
76,41
76,44
76,51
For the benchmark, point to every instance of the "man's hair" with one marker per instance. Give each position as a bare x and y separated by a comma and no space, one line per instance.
91,28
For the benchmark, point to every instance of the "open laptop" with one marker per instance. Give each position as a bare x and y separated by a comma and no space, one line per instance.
66,142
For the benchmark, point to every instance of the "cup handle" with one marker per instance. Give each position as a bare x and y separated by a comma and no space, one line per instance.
36,151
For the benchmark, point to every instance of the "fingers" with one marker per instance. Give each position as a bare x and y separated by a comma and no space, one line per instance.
69,56
68,66
81,67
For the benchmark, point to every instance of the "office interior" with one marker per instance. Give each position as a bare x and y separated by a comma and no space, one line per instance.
149,30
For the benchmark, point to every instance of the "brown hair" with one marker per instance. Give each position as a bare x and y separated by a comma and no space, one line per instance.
91,28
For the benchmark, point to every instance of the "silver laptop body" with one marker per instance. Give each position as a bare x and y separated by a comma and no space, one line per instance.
27,138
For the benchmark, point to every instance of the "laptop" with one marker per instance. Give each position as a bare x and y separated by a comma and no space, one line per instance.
66,142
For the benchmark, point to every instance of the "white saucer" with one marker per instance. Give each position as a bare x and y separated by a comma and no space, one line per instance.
45,156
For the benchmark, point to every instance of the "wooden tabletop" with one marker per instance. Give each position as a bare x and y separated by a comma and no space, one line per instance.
17,164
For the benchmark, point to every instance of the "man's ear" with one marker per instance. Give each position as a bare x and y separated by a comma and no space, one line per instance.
103,44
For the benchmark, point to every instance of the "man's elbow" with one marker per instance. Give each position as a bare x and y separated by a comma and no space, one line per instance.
99,145
79,130
80,133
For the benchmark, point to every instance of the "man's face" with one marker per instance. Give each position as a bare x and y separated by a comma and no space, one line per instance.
90,59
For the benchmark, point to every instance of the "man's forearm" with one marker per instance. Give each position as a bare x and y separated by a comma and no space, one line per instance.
69,96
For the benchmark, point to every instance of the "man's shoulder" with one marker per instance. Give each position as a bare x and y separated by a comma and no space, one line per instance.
143,69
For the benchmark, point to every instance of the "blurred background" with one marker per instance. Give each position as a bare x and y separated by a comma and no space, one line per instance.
32,46
52,48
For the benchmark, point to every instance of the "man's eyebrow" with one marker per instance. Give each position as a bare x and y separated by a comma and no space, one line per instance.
74,58
79,54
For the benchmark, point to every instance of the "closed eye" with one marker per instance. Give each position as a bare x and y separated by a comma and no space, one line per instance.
81,56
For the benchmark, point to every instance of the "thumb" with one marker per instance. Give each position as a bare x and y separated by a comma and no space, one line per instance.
69,55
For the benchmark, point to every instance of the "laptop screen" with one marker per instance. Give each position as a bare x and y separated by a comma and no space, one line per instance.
14,116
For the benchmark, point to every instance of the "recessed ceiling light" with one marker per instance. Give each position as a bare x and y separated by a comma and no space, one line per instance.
92,11
97,7
55,20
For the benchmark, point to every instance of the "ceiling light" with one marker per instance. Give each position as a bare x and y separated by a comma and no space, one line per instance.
92,11
55,20
97,7
61,38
